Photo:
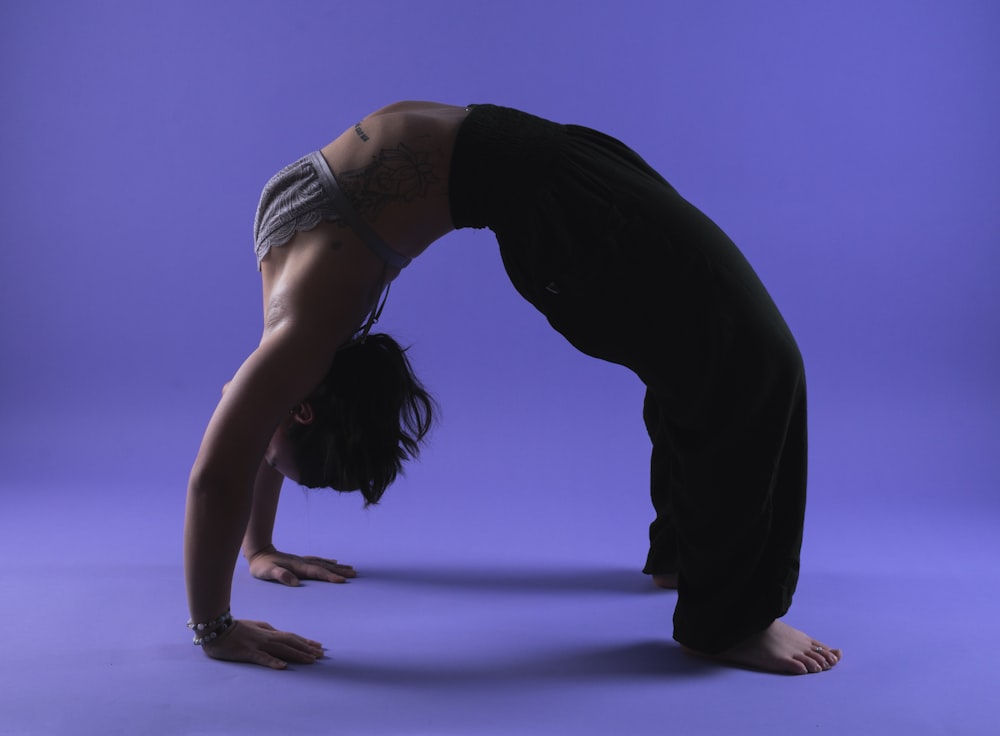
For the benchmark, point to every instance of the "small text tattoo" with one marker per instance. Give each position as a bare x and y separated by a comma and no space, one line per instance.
361,134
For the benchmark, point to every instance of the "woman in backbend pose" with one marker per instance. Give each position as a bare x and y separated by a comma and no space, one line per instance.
618,262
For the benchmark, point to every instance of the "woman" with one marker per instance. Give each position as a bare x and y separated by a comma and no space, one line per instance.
618,262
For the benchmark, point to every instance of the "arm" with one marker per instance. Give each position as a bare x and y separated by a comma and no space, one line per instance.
266,562
312,305
220,489
266,492
220,498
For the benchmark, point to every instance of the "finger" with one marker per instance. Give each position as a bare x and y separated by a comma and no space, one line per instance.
275,573
287,637
284,576
266,660
346,571
328,562
316,572
303,644
329,576
315,645
301,653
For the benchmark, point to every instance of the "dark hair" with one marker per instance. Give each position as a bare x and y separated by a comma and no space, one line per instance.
370,414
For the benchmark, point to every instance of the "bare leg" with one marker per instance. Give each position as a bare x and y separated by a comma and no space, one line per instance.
780,649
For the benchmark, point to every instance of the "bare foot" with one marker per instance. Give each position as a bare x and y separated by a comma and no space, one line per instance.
781,649
667,581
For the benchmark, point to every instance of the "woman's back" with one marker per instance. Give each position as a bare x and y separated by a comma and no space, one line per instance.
394,166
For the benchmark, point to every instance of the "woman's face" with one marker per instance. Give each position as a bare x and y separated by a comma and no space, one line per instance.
280,454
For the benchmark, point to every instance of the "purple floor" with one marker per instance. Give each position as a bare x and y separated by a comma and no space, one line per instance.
485,611
849,148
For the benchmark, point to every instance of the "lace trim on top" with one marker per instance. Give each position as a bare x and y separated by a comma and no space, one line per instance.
293,200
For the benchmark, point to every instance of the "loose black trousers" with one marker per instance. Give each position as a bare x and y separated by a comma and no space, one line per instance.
630,272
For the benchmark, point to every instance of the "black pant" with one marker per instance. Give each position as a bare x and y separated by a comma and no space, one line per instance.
630,272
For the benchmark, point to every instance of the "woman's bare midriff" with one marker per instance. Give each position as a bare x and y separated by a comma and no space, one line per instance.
394,166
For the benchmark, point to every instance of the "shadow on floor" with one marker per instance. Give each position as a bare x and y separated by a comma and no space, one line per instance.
639,660
517,579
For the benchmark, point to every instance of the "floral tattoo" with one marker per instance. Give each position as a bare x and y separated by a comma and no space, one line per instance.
398,174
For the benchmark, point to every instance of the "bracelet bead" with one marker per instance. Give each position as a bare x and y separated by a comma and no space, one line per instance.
215,622
214,628
202,640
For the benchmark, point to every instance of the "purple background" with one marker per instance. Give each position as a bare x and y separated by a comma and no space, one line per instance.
849,148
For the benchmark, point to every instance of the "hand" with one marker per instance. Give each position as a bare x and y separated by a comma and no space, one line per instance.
261,643
270,564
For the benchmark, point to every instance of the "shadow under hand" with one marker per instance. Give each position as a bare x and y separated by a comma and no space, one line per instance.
518,579
648,660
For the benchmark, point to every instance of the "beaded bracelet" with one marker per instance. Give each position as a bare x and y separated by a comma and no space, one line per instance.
215,628
202,640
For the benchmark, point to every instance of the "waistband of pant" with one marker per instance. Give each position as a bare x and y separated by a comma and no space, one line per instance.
498,150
